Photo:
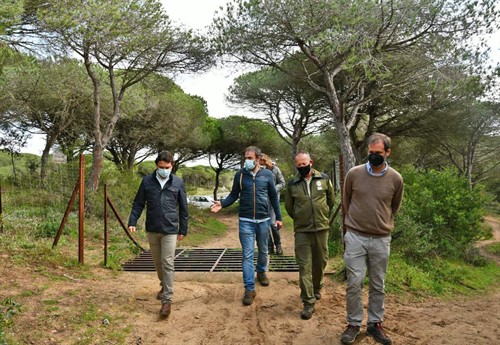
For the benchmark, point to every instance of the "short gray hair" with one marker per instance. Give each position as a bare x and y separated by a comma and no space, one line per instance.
377,137
255,149
303,153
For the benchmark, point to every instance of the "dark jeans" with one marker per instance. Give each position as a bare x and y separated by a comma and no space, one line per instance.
274,237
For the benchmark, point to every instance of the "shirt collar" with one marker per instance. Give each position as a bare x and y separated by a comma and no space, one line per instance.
382,173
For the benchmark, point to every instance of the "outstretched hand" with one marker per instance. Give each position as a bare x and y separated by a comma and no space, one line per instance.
216,207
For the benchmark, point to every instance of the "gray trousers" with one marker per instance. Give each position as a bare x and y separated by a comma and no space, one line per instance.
362,252
163,251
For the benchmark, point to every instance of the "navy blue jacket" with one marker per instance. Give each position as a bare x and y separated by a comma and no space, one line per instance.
167,210
255,193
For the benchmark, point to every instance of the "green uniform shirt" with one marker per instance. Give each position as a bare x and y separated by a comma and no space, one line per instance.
310,213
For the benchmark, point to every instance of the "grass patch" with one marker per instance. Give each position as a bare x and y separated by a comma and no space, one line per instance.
8,308
439,277
203,230
493,248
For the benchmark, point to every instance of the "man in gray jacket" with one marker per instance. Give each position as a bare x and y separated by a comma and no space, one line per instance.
166,221
279,182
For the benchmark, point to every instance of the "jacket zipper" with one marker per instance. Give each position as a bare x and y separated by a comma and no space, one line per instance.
254,197
311,200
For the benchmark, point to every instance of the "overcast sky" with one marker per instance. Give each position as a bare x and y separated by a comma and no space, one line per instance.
212,85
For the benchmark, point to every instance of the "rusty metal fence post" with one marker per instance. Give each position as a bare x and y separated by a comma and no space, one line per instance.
105,225
107,202
81,213
1,210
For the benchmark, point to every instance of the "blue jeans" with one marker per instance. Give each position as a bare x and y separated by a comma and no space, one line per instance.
249,232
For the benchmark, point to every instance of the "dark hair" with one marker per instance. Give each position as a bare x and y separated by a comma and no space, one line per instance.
376,137
165,156
255,149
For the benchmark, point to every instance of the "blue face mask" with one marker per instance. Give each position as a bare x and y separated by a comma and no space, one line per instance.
249,164
163,173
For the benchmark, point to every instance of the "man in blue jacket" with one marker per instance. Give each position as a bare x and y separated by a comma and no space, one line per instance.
166,221
254,186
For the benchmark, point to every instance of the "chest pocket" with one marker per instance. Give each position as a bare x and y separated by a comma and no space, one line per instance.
173,192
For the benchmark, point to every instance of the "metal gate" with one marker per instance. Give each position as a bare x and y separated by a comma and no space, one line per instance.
209,260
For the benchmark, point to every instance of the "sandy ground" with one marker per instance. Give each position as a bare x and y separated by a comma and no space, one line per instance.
207,310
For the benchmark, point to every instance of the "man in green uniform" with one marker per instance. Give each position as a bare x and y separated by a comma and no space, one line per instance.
309,201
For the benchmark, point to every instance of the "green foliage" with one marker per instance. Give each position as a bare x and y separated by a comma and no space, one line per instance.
47,229
440,214
439,277
8,308
493,248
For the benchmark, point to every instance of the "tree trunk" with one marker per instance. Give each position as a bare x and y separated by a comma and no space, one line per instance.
95,170
12,153
345,146
44,160
131,157
217,180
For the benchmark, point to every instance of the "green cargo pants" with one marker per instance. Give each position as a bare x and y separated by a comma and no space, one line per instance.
311,254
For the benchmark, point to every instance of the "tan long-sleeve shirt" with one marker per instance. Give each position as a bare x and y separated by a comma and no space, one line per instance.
370,202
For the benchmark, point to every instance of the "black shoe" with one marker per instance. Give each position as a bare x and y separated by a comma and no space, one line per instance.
317,295
350,334
377,332
270,250
279,250
262,278
248,297
307,313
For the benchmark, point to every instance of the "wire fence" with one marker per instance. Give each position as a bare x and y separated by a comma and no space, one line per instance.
34,209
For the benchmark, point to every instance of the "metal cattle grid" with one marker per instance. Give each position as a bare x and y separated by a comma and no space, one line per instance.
209,260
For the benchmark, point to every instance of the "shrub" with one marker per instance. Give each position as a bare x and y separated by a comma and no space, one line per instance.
440,214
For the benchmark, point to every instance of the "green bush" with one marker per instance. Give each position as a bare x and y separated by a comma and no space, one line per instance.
440,215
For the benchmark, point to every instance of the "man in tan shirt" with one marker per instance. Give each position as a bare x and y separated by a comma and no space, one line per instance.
372,195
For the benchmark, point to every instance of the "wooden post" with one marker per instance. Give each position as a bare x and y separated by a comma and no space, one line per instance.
66,214
123,225
81,213
105,226
1,210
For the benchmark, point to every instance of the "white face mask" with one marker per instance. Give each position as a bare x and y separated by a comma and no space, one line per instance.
163,173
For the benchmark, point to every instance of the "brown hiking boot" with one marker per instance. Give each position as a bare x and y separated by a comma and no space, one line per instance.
262,278
377,332
350,334
317,294
249,296
158,295
165,309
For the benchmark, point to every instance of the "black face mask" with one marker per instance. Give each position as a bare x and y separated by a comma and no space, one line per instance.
304,171
375,159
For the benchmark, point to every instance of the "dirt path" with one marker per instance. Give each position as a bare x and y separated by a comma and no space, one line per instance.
495,225
208,311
